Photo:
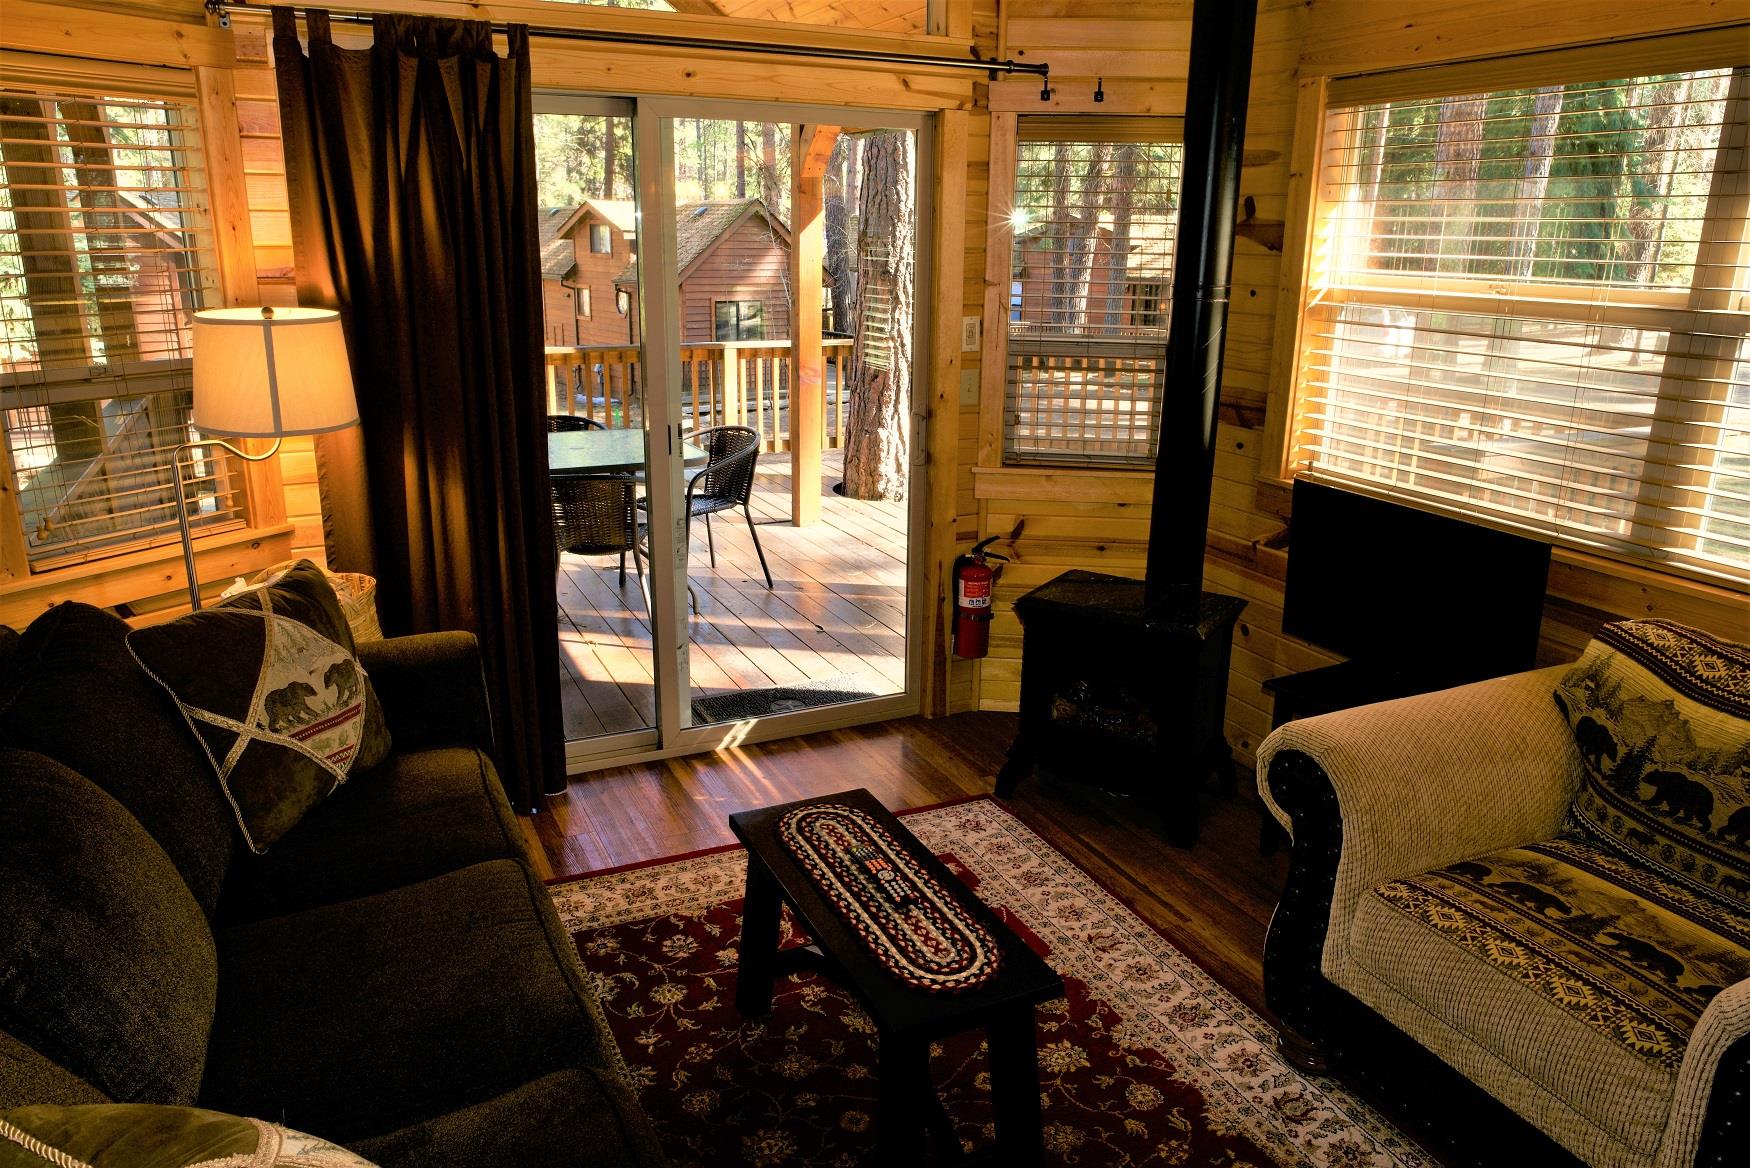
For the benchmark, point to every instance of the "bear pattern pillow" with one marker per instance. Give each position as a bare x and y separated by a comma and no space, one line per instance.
139,1135
269,683
1661,715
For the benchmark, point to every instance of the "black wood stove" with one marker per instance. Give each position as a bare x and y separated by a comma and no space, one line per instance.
1124,682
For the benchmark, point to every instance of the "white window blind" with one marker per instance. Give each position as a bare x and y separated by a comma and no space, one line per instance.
1531,307
1095,212
105,254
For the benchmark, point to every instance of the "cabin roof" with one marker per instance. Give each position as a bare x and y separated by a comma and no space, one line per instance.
699,227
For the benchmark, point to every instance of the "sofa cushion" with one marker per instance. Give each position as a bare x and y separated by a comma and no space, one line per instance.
27,1077
1661,714
269,684
77,649
579,1118
106,962
1580,969
360,1018
419,815
142,1135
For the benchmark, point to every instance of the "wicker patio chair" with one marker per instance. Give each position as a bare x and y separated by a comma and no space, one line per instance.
725,482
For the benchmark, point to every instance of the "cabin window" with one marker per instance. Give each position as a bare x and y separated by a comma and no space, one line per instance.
1532,309
739,320
601,239
1095,211
1148,303
105,254
583,304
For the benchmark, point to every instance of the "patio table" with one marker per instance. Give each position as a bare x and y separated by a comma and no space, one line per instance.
608,451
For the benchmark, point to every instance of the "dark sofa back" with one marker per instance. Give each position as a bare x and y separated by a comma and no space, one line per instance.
110,967
71,690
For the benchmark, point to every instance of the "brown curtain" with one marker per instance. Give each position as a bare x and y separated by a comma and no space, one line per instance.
411,172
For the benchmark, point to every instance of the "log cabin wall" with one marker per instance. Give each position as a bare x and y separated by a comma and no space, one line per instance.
1059,519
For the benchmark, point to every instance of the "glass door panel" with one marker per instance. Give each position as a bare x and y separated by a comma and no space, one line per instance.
595,402
795,386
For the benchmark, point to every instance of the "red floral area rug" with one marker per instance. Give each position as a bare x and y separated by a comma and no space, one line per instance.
1146,1061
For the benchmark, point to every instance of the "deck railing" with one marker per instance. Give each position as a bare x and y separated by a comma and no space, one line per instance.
742,383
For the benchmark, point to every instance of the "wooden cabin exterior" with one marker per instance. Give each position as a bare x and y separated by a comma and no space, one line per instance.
582,249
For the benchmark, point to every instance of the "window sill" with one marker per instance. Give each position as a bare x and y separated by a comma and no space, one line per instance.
142,575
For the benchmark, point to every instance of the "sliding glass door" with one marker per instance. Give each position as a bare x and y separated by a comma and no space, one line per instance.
736,285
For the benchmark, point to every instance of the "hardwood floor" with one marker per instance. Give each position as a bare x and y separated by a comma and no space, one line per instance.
835,611
1213,900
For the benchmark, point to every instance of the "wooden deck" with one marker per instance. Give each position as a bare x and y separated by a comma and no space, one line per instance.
835,612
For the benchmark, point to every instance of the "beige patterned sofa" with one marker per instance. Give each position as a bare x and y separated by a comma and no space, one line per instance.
1521,908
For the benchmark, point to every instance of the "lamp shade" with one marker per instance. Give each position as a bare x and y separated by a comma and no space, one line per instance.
267,373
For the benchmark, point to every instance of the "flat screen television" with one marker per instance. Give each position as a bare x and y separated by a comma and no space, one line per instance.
1410,592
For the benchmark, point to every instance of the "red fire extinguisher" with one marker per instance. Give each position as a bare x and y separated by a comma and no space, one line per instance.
973,577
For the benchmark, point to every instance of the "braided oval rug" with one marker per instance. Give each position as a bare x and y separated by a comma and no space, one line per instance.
902,914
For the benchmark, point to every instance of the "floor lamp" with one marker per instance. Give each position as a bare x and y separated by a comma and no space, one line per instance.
262,373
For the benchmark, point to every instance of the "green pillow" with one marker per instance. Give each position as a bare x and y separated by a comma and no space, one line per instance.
1661,714
269,683
140,1135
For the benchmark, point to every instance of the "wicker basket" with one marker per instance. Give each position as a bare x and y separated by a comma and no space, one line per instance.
357,594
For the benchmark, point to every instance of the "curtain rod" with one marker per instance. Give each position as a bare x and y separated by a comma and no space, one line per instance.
677,41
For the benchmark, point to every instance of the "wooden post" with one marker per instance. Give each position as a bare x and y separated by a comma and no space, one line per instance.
813,147
733,413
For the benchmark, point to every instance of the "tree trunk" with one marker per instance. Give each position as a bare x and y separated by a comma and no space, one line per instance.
1457,151
610,149
1082,239
769,164
1061,306
838,235
111,266
741,160
51,276
878,438
1648,212
853,230
1118,266
1546,111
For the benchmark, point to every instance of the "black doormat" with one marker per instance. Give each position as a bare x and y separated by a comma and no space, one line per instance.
759,703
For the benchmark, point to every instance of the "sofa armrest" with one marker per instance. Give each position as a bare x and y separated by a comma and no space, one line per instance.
1709,1127
433,689
1414,784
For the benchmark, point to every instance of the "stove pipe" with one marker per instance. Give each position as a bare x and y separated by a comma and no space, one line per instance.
1215,132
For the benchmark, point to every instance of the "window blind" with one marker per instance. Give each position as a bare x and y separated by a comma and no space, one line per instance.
1093,223
105,254
1531,307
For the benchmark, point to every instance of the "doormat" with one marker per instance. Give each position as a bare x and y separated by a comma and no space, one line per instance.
758,703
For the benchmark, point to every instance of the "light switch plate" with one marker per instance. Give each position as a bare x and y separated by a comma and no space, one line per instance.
969,387
969,334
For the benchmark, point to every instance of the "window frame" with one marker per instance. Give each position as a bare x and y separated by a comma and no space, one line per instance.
739,322
1309,233
265,536
606,236
1002,296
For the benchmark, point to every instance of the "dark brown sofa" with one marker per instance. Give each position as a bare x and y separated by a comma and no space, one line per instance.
391,975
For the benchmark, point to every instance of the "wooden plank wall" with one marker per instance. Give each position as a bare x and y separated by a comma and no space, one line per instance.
264,172
1065,519
1099,520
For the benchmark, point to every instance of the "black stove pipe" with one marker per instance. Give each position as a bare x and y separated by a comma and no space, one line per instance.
1215,132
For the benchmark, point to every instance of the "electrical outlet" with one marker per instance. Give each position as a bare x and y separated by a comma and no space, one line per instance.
969,334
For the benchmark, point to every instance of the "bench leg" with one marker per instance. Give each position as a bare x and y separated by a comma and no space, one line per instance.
900,1117
761,911
1014,1083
